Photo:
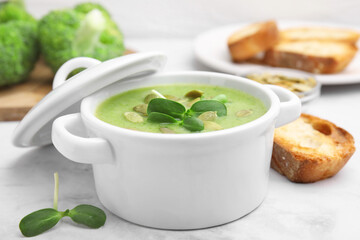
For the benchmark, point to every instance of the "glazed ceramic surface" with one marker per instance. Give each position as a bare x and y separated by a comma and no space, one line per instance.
65,98
170,181
310,97
210,48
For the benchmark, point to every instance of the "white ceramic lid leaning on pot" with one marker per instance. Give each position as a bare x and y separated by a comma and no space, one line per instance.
175,181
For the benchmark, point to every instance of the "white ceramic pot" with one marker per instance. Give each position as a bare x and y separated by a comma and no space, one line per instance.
184,181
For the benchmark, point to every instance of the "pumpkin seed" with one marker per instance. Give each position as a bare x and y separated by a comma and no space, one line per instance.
244,113
182,100
194,94
208,116
189,104
159,95
208,125
133,129
141,108
171,97
149,97
294,84
301,87
133,117
166,130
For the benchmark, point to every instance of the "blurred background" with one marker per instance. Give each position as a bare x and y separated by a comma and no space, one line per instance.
325,210
187,18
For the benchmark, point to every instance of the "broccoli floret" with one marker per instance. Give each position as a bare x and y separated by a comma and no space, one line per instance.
87,7
87,30
18,43
18,51
14,10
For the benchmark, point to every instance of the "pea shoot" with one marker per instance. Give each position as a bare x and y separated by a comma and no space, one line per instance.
42,220
161,110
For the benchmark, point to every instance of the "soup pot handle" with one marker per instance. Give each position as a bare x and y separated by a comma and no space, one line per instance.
77,148
290,105
71,65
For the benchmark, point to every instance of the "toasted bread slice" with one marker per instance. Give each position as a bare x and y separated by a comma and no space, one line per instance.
320,34
311,56
253,39
311,149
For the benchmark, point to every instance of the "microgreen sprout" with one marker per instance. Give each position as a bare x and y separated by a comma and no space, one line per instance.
42,220
168,111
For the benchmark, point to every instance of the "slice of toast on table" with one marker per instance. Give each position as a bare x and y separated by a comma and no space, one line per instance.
311,149
311,56
252,39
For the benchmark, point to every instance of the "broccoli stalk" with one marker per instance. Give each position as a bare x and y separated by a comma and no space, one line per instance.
89,32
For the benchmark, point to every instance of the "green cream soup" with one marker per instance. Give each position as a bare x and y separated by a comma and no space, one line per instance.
130,109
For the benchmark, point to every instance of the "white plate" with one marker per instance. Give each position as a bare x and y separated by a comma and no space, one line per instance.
211,49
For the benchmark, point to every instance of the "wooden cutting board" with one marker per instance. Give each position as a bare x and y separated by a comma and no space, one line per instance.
17,100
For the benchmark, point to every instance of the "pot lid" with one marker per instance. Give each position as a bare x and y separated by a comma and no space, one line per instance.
65,98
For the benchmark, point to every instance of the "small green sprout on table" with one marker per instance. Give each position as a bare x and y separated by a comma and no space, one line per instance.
42,220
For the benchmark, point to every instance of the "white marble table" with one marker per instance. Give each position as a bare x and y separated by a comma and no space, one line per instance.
328,209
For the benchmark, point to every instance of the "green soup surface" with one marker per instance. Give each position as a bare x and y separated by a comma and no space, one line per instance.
241,107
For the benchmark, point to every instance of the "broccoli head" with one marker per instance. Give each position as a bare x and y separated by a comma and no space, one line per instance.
87,30
87,7
15,10
18,43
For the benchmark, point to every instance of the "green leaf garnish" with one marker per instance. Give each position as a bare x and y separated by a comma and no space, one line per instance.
88,215
39,221
209,105
166,106
221,98
42,220
161,118
161,110
193,124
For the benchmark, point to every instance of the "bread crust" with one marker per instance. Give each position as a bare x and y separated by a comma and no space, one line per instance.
310,63
305,166
320,34
265,36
